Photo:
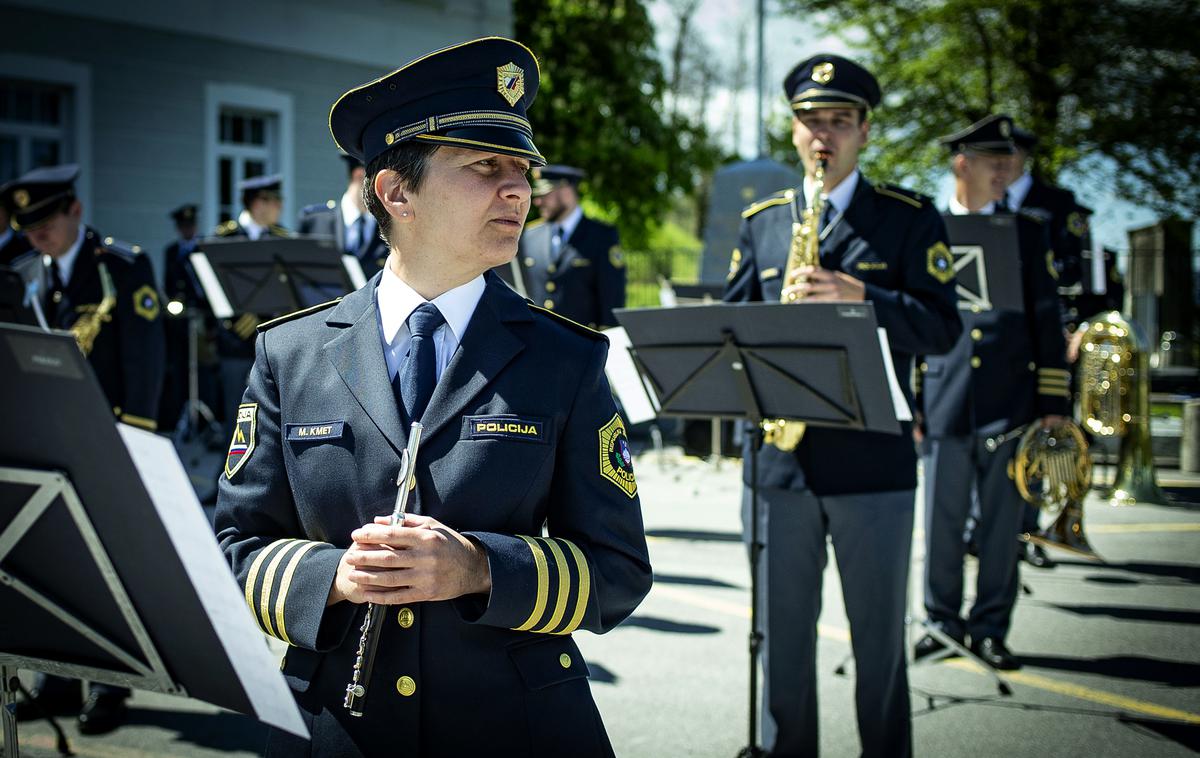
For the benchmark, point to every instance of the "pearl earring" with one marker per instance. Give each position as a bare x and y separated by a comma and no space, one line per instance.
405,213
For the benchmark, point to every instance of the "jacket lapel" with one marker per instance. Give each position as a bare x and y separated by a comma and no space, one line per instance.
852,223
357,355
487,346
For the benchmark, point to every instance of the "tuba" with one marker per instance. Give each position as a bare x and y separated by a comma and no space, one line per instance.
806,240
1114,401
87,327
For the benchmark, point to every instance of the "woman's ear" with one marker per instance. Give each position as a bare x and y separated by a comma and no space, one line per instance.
394,195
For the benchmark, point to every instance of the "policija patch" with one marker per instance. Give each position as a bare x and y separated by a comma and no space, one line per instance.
244,438
616,460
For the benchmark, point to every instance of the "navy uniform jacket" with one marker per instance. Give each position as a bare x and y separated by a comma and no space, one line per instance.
894,241
16,246
235,337
325,219
1007,368
535,470
588,280
128,355
1065,224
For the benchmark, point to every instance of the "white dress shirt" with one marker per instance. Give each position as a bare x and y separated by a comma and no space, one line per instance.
958,209
253,230
840,196
1018,191
396,301
66,263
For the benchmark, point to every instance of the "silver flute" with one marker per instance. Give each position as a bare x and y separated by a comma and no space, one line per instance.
364,660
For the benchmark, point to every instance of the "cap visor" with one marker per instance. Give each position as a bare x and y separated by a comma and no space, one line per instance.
489,140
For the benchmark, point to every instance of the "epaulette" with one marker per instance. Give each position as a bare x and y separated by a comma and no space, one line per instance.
227,228
279,231
328,205
264,326
124,250
535,223
1040,219
779,198
915,199
574,326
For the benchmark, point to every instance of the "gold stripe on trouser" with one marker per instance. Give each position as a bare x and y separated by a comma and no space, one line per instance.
284,584
543,584
252,576
585,588
564,587
264,596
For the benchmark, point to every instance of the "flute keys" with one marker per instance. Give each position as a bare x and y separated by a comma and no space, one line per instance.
406,686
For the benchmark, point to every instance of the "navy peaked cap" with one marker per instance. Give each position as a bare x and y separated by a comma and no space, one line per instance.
268,183
36,196
547,178
992,135
185,214
474,95
1024,139
830,81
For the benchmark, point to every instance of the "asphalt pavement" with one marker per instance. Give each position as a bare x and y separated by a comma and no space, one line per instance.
1110,649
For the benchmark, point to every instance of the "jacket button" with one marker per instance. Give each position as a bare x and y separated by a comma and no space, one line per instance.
975,308
976,334
564,660
924,367
548,304
405,618
528,262
975,361
406,686
551,268
1032,366
551,286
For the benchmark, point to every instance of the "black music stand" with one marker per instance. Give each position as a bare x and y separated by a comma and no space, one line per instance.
272,276
987,261
820,363
109,570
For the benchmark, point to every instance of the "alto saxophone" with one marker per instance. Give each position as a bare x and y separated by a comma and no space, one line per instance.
87,327
804,251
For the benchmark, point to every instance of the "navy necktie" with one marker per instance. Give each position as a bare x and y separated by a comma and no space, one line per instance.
50,303
354,235
417,376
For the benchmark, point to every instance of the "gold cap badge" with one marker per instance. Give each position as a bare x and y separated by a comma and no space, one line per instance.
21,198
823,73
510,82
1005,129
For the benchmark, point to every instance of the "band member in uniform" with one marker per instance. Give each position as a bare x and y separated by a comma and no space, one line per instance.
348,223
12,243
569,263
105,293
884,245
1053,205
484,581
181,286
1007,371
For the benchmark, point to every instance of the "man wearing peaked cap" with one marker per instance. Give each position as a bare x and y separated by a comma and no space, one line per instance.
347,221
13,243
87,279
483,582
1005,372
888,246
567,262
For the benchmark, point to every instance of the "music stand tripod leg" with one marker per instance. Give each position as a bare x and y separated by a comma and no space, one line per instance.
8,707
752,750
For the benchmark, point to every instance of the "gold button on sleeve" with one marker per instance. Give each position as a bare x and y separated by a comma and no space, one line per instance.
405,617
548,304
564,660
975,362
406,686
551,268
976,334
551,286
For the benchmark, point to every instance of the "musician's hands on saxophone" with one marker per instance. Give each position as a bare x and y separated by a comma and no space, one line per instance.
815,283
419,560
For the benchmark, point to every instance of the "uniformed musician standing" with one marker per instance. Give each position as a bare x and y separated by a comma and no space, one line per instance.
1005,372
181,286
348,223
525,524
569,263
13,243
89,279
888,246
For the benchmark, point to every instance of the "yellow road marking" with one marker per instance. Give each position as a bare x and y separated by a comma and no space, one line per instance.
1036,681
1142,528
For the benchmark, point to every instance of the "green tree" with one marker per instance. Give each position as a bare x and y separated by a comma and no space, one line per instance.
1108,82
601,107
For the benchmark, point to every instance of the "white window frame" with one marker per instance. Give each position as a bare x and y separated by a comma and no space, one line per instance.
274,102
77,77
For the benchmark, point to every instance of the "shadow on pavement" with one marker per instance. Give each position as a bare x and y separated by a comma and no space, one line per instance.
666,625
1184,572
1133,613
1187,735
218,731
696,535
1136,667
598,673
695,581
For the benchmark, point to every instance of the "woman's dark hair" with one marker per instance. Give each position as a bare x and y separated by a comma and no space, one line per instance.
408,159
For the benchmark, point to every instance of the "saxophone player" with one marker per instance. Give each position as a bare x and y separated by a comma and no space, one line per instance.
876,243
105,294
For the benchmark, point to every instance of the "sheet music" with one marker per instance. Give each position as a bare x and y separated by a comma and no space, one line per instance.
212,287
354,270
626,380
903,412
192,537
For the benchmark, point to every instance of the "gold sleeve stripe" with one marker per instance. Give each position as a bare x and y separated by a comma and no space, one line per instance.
145,423
543,584
564,587
1054,372
264,595
1054,391
585,588
284,584
252,576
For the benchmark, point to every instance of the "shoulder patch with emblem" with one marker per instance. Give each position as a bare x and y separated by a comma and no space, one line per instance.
616,459
1077,224
940,263
245,435
616,257
145,302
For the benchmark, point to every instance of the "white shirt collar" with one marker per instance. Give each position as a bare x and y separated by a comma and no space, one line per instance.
66,264
569,223
1019,190
958,209
253,230
396,301
840,196
350,212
